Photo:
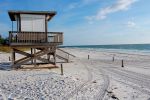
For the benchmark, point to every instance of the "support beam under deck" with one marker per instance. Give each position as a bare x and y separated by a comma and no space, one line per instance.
33,56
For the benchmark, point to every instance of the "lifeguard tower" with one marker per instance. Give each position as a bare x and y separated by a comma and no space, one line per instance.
32,33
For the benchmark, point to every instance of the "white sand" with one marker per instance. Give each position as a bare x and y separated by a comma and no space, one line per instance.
94,79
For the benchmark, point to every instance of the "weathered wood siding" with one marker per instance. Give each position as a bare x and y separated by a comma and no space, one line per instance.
32,23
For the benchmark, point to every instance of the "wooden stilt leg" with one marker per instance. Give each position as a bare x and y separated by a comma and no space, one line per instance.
48,57
32,54
34,57
68,59
13,56
54,55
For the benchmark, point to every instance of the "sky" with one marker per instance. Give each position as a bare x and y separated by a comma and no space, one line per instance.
89,22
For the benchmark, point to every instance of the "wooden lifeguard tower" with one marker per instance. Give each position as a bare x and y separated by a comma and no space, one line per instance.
32,33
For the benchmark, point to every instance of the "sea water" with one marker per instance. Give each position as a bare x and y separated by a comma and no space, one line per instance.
121,48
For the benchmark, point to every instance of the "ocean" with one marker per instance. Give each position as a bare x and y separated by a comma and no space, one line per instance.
145,48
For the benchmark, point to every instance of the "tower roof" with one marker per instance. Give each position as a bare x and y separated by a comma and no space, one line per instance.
13,13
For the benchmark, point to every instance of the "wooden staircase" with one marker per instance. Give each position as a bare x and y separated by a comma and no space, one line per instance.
63,55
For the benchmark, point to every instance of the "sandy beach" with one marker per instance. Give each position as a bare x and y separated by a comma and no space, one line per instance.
96,78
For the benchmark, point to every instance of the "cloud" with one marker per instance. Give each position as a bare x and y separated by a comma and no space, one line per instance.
85,2
131,24
80,3
72,5
120,5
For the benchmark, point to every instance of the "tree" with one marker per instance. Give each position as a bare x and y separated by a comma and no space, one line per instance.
3,41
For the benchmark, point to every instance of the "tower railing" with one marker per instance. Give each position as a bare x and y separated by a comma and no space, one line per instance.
35,37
